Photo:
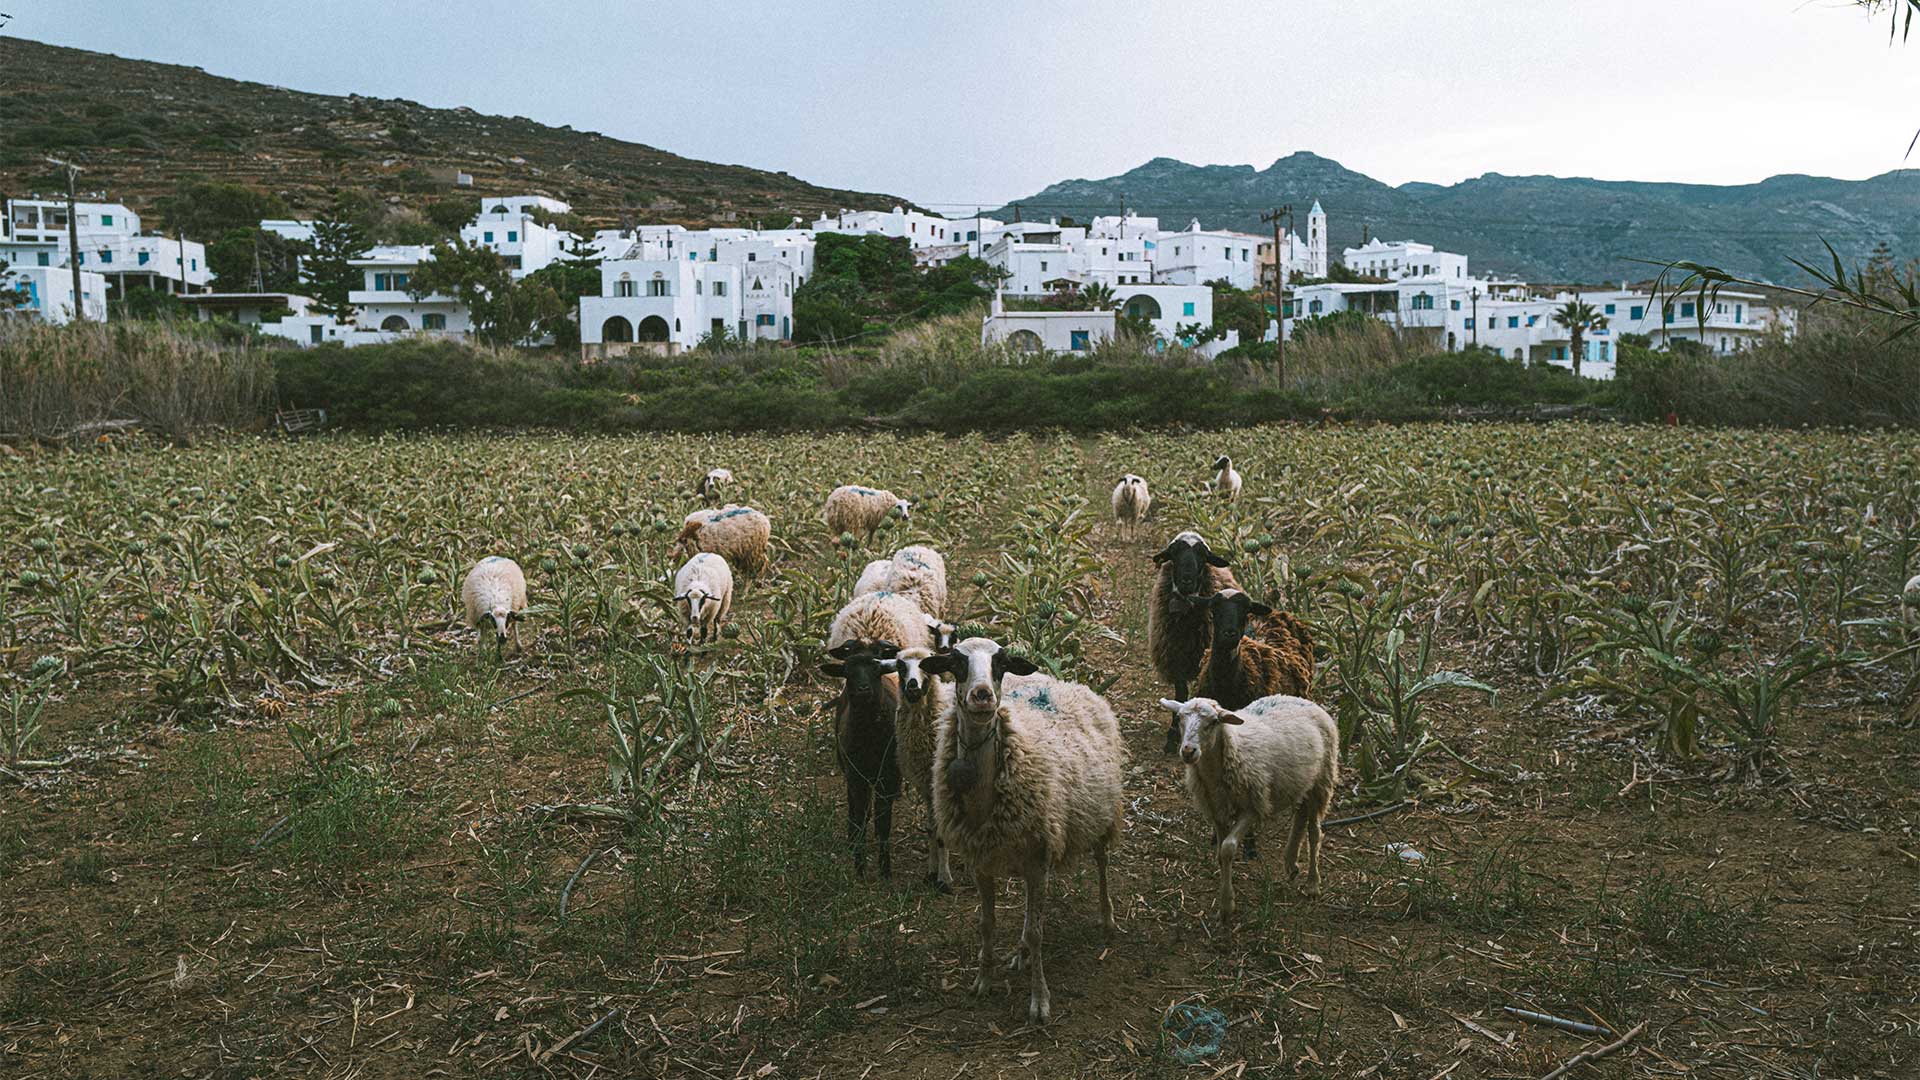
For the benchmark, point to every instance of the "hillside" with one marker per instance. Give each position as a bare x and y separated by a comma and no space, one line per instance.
1541,228
140,127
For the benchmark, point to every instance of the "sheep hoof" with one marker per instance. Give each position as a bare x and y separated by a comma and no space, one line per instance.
940,886
1310,888
980,984
1039,1008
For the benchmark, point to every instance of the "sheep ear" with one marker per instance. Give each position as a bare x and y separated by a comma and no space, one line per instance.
941,663
1260,609
1216,560
1017,665
834,671
516,616
1165,553
889,666
679,598
1229,718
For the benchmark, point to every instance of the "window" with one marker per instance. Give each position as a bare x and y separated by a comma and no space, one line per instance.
433,320
1739,312
1186,308
719,288
106,255
1469,324
1636,313
657,287
763,320
1559,352
1603,351
193,264
1454,304
43,258
1313,307
400,280
1666,313
1424,302
693,256
1043,266
106,219
1609,309
1686,310
623,287
1513,322
487,236
380,283
752,257
144,256
698,286
1079,340
1532,320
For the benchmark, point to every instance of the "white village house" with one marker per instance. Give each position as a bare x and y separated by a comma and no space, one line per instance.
38,283
112,244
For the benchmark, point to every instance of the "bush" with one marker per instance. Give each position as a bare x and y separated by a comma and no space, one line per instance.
174,379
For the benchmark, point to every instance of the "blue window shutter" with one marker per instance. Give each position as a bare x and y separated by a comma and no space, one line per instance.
1609,309
1636,313
487,236
1186,309
512,236
1686,311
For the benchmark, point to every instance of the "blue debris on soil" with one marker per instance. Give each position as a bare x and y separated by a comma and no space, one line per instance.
1194,1032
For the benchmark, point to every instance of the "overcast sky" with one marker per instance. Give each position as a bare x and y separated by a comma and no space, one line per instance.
953,104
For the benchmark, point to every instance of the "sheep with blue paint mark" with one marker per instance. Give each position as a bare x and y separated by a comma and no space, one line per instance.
920,574
861,511
739,534
1026,778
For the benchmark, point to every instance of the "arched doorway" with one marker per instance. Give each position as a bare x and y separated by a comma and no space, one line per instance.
653,328
616,329
1142,307
395,323
1025,341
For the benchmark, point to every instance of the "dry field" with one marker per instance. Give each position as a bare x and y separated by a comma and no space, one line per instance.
262,813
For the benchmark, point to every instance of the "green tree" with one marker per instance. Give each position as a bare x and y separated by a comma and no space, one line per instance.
1098,297
202,209
571,277
235,255
1579,317
451,215
504,311
330,276
1237,309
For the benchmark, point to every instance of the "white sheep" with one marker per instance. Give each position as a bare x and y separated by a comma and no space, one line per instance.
1910,598
861,510
877,576
1023,782
1226,479
1279,755
705,585
919,573
924,699
495,591
880,616
709,486
1131,500
740,534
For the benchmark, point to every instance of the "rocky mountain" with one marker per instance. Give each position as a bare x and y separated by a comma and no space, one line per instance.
140,127
1540,228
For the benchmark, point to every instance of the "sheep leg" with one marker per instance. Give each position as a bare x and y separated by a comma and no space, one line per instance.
1106,903
985,885
519,649
1313,850
1229,852
858,794
940,865
1295,835
883,831
1173,723
1039,1001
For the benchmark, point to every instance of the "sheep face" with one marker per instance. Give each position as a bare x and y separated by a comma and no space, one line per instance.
1197,719
501,615
942,632
1229,609
977,666
696,598
1222,463
913,677
1190,557
859,663
903,510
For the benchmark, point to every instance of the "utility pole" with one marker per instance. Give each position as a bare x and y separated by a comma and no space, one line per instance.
1476,316
73,240
1279,214
1366,234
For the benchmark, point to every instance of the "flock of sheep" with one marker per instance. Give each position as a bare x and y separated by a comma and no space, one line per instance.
1020,771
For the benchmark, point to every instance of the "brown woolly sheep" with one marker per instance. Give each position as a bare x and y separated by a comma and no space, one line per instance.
1177,612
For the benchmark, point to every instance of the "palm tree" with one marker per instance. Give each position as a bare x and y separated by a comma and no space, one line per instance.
1578,317
1097,296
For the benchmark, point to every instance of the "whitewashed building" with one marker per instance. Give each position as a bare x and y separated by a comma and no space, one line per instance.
1301,254
667,306
920,230
383,302
112,244
37,283
1398,259
1196,256
507,225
